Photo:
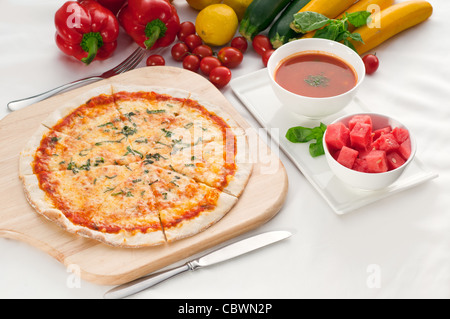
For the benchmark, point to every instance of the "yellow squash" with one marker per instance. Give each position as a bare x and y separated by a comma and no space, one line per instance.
329,8
367,5
361,5
392,21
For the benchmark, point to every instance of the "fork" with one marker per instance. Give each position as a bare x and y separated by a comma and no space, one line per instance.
128,64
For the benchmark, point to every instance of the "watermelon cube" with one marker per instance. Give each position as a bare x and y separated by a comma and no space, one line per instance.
394,160
337,136
405,149
364,119
335,154
361,136
381,131
361,165
386,142
400,134
363,153
376,162
347,157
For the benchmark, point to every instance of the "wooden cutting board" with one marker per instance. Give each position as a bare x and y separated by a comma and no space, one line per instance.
102,264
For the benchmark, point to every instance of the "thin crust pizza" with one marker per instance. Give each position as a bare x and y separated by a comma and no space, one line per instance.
136,166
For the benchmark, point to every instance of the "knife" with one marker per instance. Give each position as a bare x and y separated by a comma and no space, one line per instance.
222,254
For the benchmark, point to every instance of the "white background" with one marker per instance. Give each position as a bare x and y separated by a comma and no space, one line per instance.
405,238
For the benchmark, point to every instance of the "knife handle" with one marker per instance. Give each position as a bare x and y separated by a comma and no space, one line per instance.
138,285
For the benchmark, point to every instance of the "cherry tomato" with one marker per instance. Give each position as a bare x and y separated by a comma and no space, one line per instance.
266,56
155,59
186,28
193,41
220,76
207,64
179,51
261,44
191,62
230,57
240,43
371,62
203,51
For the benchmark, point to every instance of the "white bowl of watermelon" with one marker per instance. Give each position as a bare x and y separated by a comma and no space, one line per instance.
368,151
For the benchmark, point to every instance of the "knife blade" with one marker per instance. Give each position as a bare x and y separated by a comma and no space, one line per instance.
222,254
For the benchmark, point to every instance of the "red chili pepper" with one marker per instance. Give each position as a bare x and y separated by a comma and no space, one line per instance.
151,23
86,30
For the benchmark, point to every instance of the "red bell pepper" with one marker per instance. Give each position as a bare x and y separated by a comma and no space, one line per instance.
113,5
151,23
86,30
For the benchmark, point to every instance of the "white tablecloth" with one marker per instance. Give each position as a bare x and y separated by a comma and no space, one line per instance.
395,248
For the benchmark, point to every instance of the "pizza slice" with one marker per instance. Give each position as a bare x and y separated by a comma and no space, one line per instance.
208,121
226,167
193,126
185,206
71,199
98,122
128,216
151,113
50,150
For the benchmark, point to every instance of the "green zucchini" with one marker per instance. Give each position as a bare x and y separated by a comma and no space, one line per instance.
281,32
259,16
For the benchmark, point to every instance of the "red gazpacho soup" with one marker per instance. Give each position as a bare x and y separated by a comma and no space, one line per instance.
316,74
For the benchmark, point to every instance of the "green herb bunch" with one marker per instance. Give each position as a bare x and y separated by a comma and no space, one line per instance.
332,29
302,134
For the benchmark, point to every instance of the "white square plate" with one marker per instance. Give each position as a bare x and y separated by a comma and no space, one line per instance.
255,92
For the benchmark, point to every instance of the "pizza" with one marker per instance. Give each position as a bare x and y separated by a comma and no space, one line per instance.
136,166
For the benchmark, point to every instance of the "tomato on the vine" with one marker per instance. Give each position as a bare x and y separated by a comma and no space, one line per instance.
230,57
371,62
261,44
191,62
209,63
155,59
179,51
220,76
186,28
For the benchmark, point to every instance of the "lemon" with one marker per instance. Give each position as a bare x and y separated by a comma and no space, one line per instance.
239,6
201,4
216,24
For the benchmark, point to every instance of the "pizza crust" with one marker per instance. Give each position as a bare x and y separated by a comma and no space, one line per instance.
237,184
65,109
176,93
124,239
193,226
27,155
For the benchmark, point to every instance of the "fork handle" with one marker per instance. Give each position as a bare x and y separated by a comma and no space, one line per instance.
19,104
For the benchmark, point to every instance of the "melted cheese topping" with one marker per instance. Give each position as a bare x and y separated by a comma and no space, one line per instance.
136,162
